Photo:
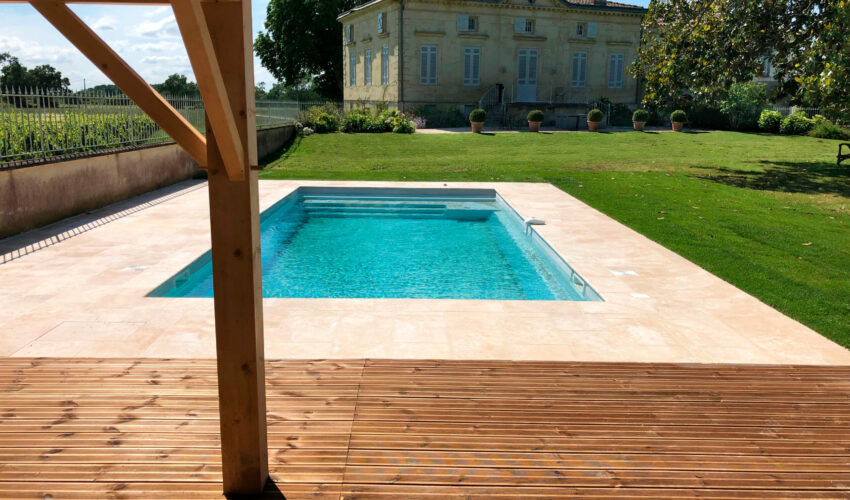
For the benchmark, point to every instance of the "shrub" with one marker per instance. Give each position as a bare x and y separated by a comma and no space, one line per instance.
477,115
595,115
825,129
743,103
640,115
357,120
535,116
306,131
309,116
678,116
796,124
770,120
326,123
402,125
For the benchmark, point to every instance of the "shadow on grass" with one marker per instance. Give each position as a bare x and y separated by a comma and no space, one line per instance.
288,148
788,177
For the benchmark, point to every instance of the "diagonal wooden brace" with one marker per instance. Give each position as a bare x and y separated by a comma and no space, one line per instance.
111,64
196,35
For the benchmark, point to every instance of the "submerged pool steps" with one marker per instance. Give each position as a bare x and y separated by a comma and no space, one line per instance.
395,208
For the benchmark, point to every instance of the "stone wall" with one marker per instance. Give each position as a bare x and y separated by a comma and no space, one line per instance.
36,195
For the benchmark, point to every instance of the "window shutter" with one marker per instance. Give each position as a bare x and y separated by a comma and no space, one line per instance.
380,22
612,72
522,61
467,66
385,63
433,74
519,25
349,32
574,78
462,22
532,66
423,65
352,69
582,77
476,67
591,30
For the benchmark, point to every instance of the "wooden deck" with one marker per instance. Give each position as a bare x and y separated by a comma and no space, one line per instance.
148,429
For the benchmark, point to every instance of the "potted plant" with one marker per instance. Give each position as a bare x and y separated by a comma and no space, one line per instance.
594,118
535,118
476,119
678,118
639,119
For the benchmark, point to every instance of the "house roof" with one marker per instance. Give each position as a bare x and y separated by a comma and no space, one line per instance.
580,4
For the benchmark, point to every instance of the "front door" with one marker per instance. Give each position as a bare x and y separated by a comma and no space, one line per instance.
526,81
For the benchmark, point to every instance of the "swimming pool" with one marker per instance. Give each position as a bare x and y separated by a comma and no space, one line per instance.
398,243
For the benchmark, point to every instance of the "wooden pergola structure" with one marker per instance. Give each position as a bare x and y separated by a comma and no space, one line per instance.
217,35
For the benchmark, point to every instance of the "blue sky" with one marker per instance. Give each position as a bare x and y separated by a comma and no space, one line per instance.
147,37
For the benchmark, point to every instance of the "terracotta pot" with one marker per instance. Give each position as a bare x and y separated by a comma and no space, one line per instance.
677,126
477,127
593,126
639,126
534,126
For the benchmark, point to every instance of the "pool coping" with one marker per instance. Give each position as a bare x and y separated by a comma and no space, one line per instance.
85,296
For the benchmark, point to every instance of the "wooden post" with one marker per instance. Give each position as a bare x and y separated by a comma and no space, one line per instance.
237,280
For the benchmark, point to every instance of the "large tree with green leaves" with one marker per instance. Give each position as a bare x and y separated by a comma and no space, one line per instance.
303,41
13,74
708,45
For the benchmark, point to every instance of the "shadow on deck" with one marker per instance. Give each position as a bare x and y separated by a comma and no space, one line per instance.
148,429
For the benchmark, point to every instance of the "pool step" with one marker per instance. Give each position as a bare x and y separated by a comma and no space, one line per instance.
419,209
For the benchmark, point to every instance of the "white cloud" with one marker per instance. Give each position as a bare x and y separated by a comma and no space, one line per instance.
165,60
165,27
162,46
33,53
105,23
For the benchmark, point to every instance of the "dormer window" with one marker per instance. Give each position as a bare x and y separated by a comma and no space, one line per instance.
382,23
349,33
591,30
581,29
523,25
467,23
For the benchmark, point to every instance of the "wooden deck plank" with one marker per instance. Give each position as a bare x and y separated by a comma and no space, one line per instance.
148,429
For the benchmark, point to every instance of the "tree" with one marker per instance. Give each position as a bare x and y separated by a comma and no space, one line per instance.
707,46
177,84
303,41
13,74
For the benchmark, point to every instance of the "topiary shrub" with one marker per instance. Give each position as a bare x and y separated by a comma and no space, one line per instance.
477,115
535,116
678,116
640,115
326,123
796,124
770,120
595,115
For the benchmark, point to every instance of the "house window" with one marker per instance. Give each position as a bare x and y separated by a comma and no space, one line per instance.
367,68
471,66
428,65
352,69
467,23
615,71
581,29
523,25
579,77
385,65
349,33
382,22
766,68
592,28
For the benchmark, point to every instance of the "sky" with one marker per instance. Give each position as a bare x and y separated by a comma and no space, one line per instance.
145,36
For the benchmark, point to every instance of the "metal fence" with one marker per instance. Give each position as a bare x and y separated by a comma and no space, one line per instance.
38,123
787,110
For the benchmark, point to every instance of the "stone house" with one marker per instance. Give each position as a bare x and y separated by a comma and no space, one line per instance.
557,54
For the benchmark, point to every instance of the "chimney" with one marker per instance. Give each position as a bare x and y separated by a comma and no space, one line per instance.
600,3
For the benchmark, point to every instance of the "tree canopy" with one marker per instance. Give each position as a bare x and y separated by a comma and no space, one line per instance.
708,45
15,75
302,41
177,84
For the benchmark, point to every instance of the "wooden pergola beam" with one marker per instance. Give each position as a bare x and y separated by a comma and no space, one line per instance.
199,46
119,2
131,83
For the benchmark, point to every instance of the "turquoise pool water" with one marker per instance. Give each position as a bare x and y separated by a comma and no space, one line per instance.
398,243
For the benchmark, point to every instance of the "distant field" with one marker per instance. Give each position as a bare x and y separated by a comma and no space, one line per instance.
770,214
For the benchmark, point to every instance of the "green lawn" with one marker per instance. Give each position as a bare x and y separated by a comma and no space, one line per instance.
766,213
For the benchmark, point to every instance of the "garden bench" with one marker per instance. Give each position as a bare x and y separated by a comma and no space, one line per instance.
843,156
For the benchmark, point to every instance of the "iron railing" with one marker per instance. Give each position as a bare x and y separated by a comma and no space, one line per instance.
36,123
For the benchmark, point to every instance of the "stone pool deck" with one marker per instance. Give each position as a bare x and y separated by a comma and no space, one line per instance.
78,289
